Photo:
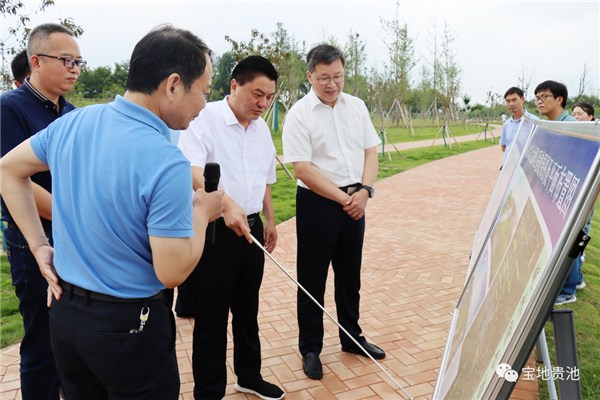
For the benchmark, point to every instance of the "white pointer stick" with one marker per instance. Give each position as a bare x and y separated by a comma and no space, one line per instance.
256,242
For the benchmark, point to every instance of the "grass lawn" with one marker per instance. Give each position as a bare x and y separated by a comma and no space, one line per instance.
11,325
423,130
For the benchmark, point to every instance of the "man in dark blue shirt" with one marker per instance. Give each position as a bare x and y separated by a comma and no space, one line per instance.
55,62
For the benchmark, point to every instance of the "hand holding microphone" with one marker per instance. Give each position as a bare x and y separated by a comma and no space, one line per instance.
210,204
212,174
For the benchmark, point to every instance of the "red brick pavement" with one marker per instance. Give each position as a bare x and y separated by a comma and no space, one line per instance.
420,229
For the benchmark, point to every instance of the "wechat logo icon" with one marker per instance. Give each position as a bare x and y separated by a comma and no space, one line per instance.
505,371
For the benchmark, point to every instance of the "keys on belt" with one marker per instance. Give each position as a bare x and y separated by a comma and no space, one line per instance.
252,218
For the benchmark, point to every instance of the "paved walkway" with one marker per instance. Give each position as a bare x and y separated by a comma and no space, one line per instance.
420,229
493,135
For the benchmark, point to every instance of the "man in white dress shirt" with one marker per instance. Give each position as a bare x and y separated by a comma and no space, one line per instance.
330,139
231,133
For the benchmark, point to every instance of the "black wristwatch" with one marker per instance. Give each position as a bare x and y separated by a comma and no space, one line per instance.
369,189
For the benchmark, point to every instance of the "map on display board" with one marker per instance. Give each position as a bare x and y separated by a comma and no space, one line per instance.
542,200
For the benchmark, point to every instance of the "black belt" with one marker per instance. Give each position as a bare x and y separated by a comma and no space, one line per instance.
351,189
79,291
252,218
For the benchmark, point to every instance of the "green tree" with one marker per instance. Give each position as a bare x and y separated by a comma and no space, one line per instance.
451,73
424,96
119,75
99,84
285,54
401,51
396,81
355,54
92,81
223,67
431,79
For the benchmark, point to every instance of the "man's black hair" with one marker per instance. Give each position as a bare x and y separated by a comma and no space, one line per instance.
39,36
163,51
252,66
20,66
323,53
556,88
514,90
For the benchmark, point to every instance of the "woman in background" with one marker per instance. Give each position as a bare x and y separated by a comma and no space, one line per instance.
583,112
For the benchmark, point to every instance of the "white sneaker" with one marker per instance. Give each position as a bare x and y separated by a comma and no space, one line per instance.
580,285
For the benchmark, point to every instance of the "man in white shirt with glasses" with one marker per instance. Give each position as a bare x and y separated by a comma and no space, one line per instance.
329,138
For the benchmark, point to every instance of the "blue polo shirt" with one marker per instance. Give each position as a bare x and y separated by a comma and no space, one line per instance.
25,111
116,180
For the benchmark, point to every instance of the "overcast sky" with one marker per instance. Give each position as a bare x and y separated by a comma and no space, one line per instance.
496,42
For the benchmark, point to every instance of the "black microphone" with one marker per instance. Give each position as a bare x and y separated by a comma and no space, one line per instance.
212,174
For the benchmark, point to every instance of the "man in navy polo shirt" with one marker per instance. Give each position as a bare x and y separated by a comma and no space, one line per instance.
126,222
55,62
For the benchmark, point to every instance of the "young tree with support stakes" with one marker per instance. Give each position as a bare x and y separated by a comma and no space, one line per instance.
524,80
402,60
356,82
450,84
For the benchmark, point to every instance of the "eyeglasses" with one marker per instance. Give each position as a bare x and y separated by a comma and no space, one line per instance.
336,79
69,62
543,97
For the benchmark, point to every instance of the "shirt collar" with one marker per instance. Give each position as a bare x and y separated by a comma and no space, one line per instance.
563,116
142,114
512,117
40,96
314,100
229,116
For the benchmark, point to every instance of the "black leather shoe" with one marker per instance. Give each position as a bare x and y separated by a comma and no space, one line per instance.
312,366
373,350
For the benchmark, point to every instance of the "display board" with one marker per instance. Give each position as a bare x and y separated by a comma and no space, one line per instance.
520,259
490,213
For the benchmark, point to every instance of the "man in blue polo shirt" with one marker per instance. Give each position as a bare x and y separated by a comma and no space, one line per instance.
55,66
125,223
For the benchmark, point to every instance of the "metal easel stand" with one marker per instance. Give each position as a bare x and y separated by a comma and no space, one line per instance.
544,355
565,342
566,352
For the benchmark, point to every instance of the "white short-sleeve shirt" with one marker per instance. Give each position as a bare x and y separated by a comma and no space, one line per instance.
246,156
333,139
